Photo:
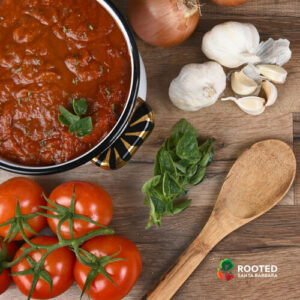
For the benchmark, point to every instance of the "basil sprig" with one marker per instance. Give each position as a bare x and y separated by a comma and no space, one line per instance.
81,126
180,164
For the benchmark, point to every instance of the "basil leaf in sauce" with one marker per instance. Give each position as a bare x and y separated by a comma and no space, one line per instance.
67,118
80,106
83,127
78,125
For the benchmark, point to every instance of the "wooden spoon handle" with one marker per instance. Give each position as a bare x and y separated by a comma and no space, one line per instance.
179,273
173,279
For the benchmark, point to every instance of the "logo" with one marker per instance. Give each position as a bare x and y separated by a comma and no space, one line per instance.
224,271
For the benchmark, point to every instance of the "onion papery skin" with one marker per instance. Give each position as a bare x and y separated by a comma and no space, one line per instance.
163,23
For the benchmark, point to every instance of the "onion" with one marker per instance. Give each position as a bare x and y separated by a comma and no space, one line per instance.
164,23
230,2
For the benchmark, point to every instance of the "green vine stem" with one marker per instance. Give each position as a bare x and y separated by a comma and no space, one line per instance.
19,223
73,243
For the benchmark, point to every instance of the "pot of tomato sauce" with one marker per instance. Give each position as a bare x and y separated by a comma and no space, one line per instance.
72,87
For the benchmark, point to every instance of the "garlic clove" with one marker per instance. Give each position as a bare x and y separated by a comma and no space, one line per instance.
252,72
270,91
274,73
242,84
251,105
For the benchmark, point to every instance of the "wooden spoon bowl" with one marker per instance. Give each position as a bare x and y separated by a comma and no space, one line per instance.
258,180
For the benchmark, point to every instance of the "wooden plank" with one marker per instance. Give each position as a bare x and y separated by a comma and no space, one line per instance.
254,9
272,239
296,130
233,132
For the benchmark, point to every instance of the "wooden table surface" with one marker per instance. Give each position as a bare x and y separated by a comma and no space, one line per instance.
271,239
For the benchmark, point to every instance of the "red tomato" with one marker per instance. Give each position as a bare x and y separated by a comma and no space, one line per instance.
11,249
59,264
5,279
90,200
29,194
124,273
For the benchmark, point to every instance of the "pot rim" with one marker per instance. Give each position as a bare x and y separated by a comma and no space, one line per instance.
119,127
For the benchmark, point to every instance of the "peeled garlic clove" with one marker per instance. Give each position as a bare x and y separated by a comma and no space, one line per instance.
251,105
242,84
271,92
274,73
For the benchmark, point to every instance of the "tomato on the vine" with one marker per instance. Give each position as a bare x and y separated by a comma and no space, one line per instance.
58,264
124,273
5,281
91,201
11,249
29,194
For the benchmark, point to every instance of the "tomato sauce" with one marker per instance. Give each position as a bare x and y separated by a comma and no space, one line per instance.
51,52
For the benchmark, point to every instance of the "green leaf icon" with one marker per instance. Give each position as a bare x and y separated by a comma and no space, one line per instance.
226,265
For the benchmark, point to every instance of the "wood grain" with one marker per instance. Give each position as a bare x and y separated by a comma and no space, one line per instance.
273,238
268,168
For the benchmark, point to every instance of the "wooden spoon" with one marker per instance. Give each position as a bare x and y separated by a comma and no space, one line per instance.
258,180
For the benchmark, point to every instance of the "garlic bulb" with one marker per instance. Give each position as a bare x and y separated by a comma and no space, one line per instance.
274,73
197,86
233,44
243,85
251,105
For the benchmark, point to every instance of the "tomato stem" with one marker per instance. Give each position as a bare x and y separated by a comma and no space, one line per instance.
18,224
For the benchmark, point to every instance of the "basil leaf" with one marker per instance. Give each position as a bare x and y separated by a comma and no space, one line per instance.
80,106
159,205
82,127
166,163
180,207
208,150
198,177
157,170
191,171
187,148
153,182
207,159
64,120
153,219
171,188
181,128
180,167
67,117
